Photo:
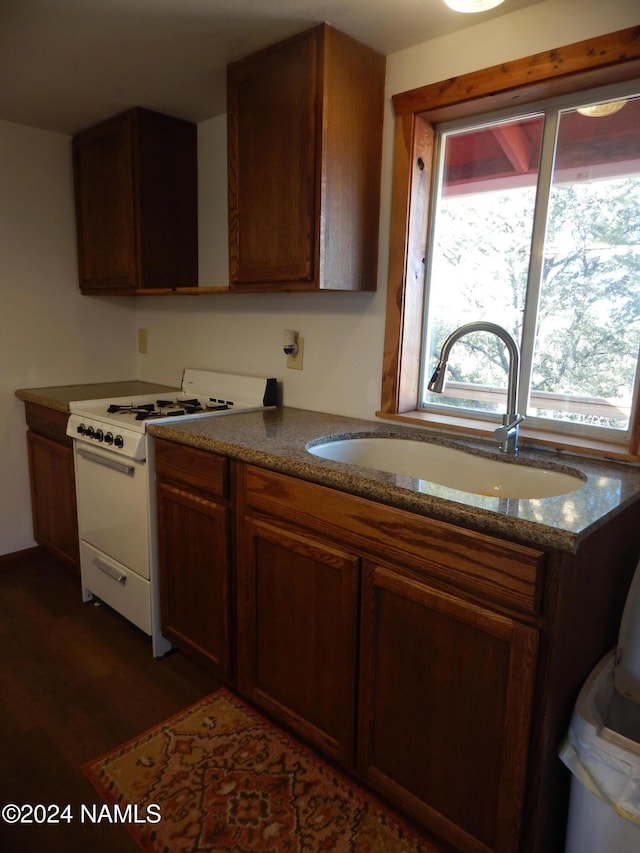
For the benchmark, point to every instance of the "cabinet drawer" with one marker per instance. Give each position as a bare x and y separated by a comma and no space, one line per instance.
461,560
49,422
199,469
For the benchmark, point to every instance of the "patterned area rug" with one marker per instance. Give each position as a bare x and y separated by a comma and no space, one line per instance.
223,778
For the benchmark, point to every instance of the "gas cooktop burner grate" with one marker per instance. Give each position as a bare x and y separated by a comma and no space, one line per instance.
168,408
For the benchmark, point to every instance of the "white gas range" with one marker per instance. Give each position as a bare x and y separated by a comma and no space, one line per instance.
115,484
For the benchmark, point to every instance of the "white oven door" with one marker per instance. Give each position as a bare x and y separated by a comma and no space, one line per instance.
113,506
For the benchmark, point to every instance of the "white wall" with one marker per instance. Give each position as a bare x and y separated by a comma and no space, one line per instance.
49,334
536,28
243,333
343,332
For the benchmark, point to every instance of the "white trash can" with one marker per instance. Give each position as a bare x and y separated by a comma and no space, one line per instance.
602,747
602,750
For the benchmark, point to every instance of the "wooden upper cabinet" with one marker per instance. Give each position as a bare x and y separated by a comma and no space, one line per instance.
304,150
135,179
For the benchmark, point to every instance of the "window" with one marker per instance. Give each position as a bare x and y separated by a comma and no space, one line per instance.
534,225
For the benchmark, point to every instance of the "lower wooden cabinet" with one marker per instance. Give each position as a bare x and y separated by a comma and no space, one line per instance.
437,663
407,658
194,553
52,480
297,632
445,707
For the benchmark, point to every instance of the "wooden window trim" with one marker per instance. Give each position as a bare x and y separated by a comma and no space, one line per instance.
604,60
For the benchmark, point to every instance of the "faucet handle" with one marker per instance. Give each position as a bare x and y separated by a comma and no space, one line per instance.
506,431
517,419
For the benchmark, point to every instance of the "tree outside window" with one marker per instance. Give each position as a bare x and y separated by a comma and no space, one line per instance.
536,227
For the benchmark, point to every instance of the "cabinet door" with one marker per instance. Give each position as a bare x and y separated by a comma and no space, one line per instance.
193,556
272,172
444,714
105,212
53,497
297,618
136,203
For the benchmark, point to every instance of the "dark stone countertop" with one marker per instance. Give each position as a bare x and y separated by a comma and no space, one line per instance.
277,439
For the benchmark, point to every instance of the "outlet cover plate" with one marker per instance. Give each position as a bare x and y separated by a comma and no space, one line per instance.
143,341
294,362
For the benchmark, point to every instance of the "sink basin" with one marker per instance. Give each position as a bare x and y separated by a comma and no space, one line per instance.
450,467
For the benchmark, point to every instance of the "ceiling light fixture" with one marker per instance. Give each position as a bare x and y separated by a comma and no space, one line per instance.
472,5
606,109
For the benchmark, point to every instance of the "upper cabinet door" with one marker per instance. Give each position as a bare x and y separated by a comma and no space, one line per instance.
135,181
304,147
105,208
272,174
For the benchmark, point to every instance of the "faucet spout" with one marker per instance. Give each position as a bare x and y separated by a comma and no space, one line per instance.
507,434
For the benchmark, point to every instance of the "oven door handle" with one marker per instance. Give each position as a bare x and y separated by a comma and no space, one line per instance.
107,461
109,570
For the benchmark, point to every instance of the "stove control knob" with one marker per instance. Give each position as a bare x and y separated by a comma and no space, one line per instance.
90,432
108,438
99,436
81,429
118,441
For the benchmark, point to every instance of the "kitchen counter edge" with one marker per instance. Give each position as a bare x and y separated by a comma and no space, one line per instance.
58,397
276,439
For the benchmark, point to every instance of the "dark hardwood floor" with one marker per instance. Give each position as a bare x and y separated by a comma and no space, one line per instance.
76,680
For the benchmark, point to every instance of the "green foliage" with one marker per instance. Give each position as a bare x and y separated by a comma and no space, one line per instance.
588,314
589,317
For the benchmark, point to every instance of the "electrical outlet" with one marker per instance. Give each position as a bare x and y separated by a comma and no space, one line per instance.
294,362
143,341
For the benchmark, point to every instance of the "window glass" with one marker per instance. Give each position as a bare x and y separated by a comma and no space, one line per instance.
536,227
480,258
588,318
